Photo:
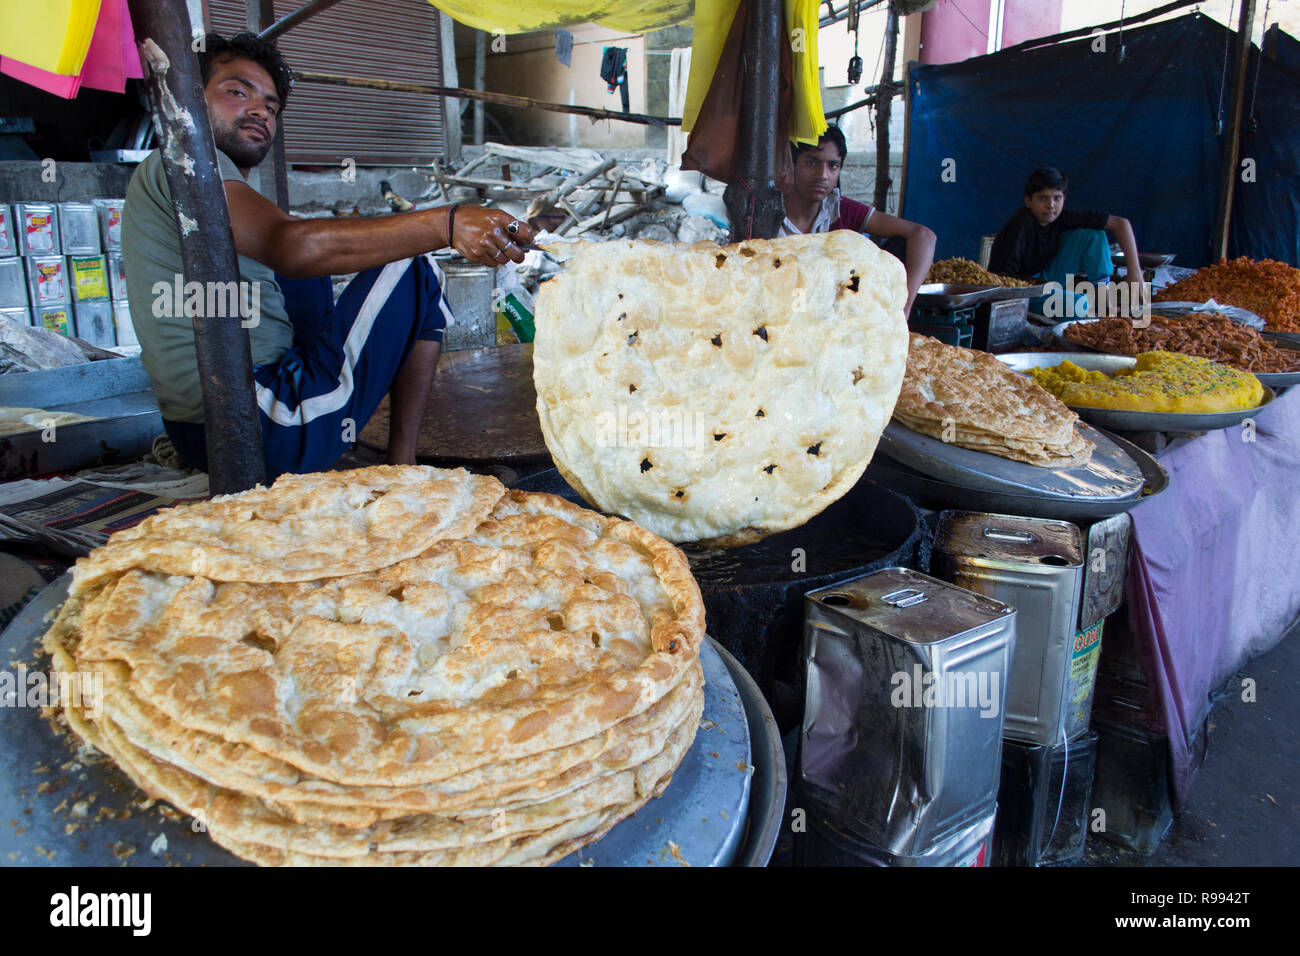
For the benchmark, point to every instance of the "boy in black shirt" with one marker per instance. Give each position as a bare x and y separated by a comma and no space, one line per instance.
1044,240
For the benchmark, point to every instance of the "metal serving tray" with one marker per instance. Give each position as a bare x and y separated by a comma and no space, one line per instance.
1128,421
1111,475
1002,292
1271,379
1241,316
933,493
1292,337
952,295
43,776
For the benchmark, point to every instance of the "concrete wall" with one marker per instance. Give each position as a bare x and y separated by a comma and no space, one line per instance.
22,181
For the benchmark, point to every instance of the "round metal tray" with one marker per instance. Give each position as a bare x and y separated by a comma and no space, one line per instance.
1130,421
1110,474
48,778
1291,337
1271,379
932,493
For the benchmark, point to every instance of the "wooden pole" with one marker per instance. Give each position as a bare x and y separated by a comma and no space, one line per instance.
885,109
754,205
1232,141
189,155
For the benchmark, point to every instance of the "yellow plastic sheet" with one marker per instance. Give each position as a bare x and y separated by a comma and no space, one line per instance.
809,121
521,16
51,35
713,23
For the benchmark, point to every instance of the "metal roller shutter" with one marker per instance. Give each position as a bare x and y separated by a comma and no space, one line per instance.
384,39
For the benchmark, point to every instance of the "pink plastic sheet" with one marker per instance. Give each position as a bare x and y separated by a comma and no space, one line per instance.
1214,572
110,61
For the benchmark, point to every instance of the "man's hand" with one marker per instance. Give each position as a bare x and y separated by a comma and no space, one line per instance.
489,237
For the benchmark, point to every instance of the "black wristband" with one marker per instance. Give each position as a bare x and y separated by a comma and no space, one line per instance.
451,225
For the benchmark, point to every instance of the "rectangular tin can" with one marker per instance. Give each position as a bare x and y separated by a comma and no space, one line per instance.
94,323
122,324
79,226
110,223
1043,803
88,276
970,846
47,281
37,226
56,318
1036,566
902,727
116,277
22,316
8,238
13,284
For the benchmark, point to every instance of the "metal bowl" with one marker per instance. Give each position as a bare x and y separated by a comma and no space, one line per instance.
1130,421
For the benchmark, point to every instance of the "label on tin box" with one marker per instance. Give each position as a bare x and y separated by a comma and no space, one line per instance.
89,277
113,227
50,286
40,232
56,320
1084,656
7,239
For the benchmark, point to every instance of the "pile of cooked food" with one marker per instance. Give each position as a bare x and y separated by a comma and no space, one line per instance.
1269,288
1211,336
964,272
719,395
1159,382
970,399
389,666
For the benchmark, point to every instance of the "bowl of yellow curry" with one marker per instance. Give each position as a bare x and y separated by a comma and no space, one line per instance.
1156,391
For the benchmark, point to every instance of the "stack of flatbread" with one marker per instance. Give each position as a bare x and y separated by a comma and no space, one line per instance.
969,398
396,665
719,395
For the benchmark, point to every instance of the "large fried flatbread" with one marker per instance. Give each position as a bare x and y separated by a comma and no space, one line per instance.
544,627
971,399
719,394
303,527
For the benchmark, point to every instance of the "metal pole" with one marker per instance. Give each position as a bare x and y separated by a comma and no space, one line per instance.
270,28
754,205
180,115
1232,143
885,109
260,15
480,58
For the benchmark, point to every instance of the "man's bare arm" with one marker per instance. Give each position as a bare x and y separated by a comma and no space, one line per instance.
920,247
302,248
1122,230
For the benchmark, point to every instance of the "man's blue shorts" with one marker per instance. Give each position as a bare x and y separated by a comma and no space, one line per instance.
314,401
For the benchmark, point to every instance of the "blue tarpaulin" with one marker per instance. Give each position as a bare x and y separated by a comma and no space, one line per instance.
1137,138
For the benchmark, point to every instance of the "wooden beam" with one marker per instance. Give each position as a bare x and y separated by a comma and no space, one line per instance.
885,110
1232,138
755,207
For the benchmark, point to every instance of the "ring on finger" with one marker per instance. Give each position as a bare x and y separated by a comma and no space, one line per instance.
513,228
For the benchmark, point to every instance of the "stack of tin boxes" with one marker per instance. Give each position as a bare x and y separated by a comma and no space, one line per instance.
1048,751
53,270
899,748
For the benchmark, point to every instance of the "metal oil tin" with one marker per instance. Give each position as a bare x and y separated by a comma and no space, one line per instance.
56,318
94,323
110,223
1036,566
79,226
88,277
13,284
902,727
8,239
37,226
47,280
21,316
116,277
122,324
970,846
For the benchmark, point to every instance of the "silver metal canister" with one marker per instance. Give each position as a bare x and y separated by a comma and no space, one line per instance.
21,316
8,239
116,277
37,226
110,223
122,324
970,846
94,323
79,226
1036,566
47,280
902,731
13,284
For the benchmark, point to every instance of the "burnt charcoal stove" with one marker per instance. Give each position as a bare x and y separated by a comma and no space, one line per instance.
753,595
